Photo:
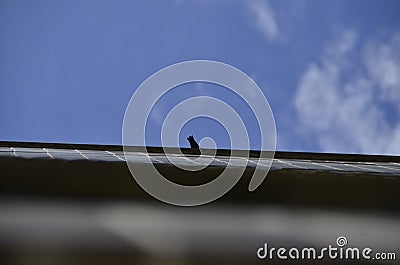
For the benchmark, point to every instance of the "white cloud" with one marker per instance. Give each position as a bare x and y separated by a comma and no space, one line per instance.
340,106
383,63
345,43
264,18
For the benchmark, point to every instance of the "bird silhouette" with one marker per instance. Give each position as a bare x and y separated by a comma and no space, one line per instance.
194,146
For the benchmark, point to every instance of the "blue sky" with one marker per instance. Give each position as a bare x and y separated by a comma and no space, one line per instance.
330,69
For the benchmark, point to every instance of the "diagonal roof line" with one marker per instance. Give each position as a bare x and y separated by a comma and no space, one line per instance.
219,152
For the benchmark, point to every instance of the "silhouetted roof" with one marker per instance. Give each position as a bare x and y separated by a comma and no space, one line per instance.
338,163
82,200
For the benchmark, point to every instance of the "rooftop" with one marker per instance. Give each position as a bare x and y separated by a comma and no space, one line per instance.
80,203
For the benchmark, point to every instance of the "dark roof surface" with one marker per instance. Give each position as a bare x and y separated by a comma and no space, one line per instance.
80,203
100,171
338,163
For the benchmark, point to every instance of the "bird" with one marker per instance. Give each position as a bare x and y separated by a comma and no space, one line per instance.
194,146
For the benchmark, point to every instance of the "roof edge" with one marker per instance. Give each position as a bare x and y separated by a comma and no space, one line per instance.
221,152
